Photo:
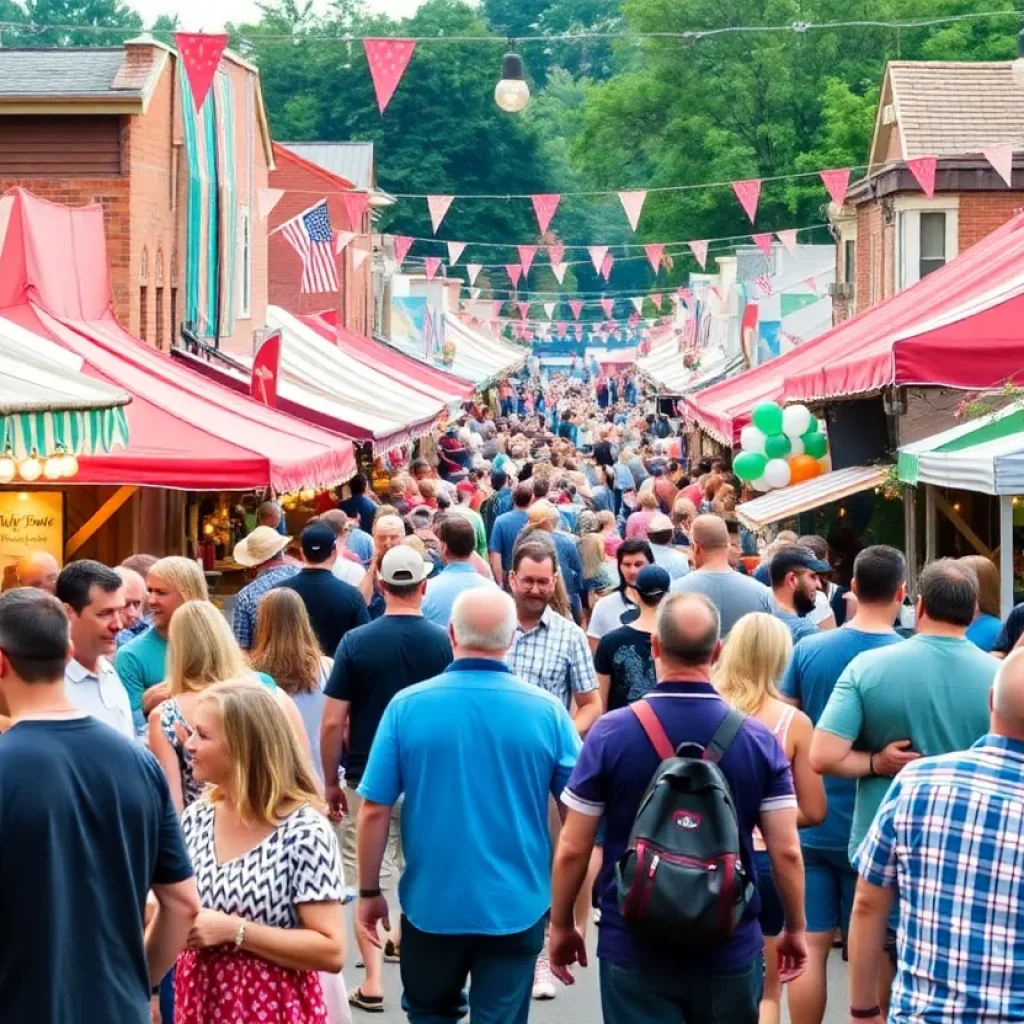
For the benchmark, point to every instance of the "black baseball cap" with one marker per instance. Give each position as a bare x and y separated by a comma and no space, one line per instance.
652,581
318,541
795,556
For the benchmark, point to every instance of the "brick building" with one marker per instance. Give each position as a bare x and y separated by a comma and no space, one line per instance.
890,234
116,125
305,181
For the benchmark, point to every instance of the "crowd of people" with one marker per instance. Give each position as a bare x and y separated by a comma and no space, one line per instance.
447,705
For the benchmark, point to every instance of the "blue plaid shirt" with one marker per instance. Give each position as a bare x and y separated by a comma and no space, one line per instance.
555,656
948,836
243,619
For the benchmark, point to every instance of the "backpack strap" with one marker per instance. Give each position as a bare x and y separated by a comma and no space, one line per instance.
654,729
724,735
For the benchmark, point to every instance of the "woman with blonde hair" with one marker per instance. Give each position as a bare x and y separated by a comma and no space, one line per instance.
640,520
267,867
201,651
747,676
982,632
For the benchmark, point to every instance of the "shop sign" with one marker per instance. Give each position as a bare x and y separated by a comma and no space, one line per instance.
30,521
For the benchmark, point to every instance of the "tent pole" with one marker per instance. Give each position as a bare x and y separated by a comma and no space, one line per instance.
1005,554
930,523
910,537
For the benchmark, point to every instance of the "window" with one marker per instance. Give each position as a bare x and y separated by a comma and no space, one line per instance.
849,261
927,238
144,313
174,314
933,243
245,263
160,318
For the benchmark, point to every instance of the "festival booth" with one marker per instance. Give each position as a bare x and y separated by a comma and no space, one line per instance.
493,358
186,432
984,457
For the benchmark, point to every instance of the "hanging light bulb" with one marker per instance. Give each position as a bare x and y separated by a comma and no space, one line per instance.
8,467
53,467
1018,64
70,464
31,468
512,93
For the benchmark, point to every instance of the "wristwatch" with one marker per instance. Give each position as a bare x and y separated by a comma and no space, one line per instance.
865,1014
369,894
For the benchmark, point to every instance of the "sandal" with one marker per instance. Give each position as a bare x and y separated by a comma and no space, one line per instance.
371,1004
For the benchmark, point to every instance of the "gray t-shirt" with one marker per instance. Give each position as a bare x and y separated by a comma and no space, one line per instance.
732,593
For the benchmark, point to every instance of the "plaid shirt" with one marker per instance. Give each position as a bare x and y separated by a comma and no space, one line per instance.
948,835
243,620
555,656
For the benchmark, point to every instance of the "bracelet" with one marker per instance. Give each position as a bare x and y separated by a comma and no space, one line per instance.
871,767
871,1011
240,935
369,894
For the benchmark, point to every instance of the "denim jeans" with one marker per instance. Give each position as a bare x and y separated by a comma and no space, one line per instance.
435,969
687,995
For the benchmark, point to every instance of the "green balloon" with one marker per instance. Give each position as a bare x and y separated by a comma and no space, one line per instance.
815,445
814,426
749,465
778,446
767,418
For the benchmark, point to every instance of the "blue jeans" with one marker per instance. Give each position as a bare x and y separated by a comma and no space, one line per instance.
829,882
690,994
435,969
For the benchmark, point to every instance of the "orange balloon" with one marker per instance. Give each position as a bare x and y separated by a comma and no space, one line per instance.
803,467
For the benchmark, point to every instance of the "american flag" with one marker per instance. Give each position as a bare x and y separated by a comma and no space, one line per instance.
310,235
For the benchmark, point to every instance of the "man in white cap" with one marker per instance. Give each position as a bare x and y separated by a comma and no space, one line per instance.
263,551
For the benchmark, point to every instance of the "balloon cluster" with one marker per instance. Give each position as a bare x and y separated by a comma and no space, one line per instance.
781,447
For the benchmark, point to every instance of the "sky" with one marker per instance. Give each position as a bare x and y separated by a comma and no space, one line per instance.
195,15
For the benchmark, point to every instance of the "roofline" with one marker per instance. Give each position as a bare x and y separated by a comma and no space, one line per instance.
128,103
894,177
281,150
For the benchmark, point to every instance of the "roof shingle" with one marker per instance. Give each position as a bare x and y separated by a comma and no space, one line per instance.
54,73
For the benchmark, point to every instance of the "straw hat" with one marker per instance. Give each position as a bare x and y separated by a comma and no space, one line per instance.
260,546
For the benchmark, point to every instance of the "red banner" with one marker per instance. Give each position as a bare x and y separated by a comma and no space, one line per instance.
265,367
388,59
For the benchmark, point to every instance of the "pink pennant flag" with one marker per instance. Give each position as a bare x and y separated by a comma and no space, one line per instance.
562,327
788,239
474,269
923,170
403,243
686,294
764,242
700,253
358,256
812,283
438,206
718,293
355,208
654,251
577,308
655,297
837,182
607,305
578,328
526,254
749,194
1001,158
200,55
558,269
556,253
519,331
606,265
455,251
342,239
549,309
544,206
388,59
496,308
431,264
597,255
524,309
495,326
266,200
633,204
638,302
515,272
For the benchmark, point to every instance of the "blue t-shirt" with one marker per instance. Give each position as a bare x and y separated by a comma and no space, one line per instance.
477,753
504,532
817,663
140,664
446,586
612,775
360,507
982,632
797,626
569,564
81,852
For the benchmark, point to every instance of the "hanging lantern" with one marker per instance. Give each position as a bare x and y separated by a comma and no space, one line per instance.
53,467
512,93
70,465
30,469
8,467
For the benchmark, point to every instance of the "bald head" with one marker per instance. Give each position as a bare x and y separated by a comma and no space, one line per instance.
710,532
483,623
134,596
687,634
38,569
1007,697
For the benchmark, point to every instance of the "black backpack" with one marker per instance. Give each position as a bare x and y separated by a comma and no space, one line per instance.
681,880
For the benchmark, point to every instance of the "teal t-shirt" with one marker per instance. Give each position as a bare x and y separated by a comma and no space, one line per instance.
932,690
140,664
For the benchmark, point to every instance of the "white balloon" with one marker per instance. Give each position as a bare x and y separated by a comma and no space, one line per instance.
760,484
776,473
795,420
752,440
798,447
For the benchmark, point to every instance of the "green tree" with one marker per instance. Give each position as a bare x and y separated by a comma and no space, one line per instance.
70,22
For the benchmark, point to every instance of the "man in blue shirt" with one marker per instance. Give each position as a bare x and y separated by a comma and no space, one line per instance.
477,754
457,538
359,506
794,575
506,529
879,583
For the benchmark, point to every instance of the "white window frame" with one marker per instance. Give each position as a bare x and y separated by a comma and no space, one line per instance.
908,211
245,262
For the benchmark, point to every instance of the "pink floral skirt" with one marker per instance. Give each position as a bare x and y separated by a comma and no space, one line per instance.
225,986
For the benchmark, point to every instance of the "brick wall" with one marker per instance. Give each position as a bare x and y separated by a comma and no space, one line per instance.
982,212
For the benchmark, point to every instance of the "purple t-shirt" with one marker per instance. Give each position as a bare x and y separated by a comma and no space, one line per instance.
612,775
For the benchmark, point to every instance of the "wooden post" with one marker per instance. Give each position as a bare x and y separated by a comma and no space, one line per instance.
100,517
961,524
931,523
910,534
1005,554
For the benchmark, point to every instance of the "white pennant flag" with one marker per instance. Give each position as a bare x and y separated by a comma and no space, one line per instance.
341,239
1001,158
474,293
267,199
558,269
359,257
455,250
597,255
633,204
549,308
638,302
474,269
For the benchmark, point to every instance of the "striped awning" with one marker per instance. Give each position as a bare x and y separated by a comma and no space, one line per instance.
788,502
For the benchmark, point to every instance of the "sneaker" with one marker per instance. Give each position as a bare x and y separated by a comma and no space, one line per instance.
543,979
392,953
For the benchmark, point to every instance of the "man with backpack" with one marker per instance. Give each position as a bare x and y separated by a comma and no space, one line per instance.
680,781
